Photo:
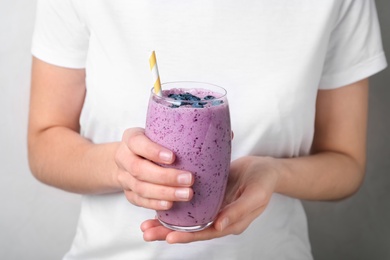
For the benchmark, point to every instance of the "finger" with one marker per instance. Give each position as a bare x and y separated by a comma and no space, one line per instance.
148,171
154,231
227,224
150,223
176,237
158,233
141,145
154,204
251,200
154,191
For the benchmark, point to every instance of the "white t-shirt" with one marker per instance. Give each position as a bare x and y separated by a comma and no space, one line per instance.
271,56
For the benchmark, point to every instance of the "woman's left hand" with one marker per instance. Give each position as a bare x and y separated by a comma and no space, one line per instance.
252,181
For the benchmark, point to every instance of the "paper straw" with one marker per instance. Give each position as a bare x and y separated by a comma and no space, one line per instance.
156,77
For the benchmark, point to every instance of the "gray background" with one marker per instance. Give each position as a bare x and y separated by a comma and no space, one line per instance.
37,222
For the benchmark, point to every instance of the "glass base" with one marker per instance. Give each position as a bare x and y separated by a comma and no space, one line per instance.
186,228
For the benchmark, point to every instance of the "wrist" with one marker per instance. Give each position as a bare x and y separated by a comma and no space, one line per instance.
105,168
114,168
279,169
272,168
276,169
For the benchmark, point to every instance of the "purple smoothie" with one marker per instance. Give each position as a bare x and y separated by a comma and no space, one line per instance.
200,137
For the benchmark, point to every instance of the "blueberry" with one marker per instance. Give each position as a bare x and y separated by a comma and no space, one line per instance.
209,97
181,97
174,96
186,97
216,102
197,105
189,97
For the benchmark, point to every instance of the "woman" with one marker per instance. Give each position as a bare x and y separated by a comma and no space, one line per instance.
296,73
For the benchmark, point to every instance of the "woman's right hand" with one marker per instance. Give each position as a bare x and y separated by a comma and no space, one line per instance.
145,183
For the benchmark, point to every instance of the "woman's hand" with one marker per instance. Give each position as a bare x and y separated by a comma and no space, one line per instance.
145,183
252,181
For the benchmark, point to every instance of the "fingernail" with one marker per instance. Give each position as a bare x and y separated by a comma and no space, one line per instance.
224,223
182,194
164,203
166,156
184,178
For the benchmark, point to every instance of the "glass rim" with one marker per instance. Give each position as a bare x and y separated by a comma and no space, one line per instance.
215,88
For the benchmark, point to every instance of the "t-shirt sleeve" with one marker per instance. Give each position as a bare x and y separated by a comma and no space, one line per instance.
60,34
355,48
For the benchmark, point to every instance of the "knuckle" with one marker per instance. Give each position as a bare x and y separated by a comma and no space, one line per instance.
135,139
167,176
143,202
129,132
123,157
125,180
262,197
130,196
119,154
239,228
139,189
137,201
121,178
237,232
136,168
167,192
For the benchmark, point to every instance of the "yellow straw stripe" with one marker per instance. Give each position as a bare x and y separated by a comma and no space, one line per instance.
152,60
156,77
157,85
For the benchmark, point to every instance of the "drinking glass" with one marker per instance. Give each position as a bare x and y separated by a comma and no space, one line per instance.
192,120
